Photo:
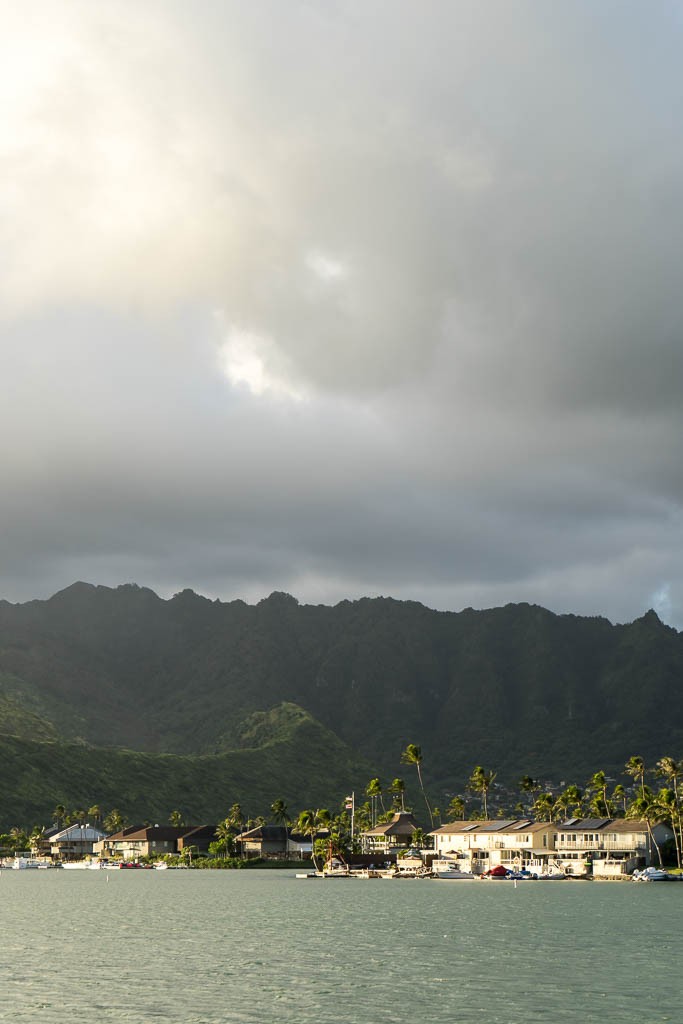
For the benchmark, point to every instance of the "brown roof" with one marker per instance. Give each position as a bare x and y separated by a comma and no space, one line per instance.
402,824
145,833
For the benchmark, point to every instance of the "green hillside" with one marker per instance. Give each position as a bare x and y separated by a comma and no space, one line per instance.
299,761
518,688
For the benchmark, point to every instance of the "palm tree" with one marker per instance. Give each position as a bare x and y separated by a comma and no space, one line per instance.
619,793
481,781
544,807
635,767
398,789
672,771
646,808
114,822
528,786
666,800
226,837
570,798
456,809
413,755
281,817
374,790
36,838
307,825
597,784
59,814
19,839
95,814
236,817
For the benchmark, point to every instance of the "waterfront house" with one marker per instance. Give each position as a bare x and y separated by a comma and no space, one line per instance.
75,842
478,846
390,836
607,847
604,847
197,839
141,841
276,841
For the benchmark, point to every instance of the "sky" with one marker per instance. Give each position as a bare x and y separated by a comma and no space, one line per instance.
344,299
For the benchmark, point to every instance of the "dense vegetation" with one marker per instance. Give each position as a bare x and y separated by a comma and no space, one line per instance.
304,762
516,688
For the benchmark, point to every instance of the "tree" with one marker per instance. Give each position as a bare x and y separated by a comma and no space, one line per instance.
175,818
95,814
528,786
597,786
374,791
307,825
570,799
619,793
36,838
114,822
398,789
278,809
59,815
635,767
480,781
281,817
646,808
671,770
413,755
18,838
226,837
236,817
544,807
456,809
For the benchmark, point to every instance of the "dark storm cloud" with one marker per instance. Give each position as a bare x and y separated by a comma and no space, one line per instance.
345,299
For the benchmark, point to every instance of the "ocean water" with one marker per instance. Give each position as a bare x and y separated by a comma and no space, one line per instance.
208,947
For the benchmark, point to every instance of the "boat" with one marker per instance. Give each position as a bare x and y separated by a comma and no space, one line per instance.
449,867
497,873
83,865
161,866
651,874
336,869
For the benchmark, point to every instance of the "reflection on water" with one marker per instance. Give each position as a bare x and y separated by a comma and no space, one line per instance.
207,947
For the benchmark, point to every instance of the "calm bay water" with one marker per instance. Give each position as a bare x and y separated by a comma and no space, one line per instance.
206,947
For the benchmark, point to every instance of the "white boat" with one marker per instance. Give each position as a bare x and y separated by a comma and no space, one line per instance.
651,874
336,869
161,866
446,867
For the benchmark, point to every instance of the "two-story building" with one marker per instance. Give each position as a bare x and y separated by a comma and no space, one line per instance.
478,846
607,847
130,844
75,842
603,847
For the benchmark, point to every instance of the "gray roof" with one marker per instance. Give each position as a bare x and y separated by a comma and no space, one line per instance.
78,834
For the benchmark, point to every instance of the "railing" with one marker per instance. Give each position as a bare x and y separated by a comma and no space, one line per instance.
609,846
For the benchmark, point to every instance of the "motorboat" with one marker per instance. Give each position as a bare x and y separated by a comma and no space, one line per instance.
446,867
651,874
336,869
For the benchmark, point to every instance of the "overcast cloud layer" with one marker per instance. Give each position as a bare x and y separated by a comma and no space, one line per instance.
344,299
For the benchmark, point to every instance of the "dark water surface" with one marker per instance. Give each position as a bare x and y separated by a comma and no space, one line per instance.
207,947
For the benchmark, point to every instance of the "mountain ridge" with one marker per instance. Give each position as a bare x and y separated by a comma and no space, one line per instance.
518,688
